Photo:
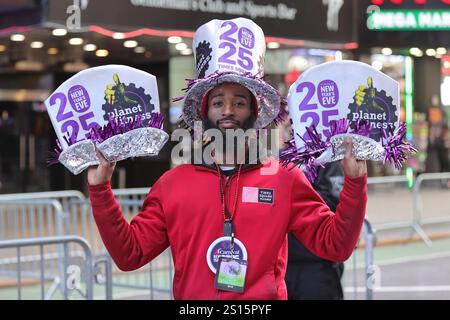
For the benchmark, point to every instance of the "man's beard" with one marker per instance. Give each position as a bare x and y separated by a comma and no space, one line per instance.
246,125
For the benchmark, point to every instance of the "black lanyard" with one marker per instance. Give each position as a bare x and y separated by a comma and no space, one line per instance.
228,227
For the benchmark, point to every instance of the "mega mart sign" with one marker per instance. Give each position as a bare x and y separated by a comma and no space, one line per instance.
409,20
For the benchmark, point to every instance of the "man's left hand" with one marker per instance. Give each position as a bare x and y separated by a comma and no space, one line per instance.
352,168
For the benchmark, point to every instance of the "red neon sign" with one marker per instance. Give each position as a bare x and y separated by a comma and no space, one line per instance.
397,2
445,69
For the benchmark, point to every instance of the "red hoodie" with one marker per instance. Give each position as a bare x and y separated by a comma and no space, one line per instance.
183,210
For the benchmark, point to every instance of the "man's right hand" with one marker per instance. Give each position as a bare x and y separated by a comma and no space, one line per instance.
102,173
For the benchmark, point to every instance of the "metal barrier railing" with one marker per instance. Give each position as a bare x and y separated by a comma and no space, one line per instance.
27,218
389,180
370,242
77,219
131,194
57,195
418,203
416,220
82,223
63,284
368,234
31,218
412,222
74,217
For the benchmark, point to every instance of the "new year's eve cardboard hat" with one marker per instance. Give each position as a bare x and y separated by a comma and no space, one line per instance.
114,108
231,51
335,100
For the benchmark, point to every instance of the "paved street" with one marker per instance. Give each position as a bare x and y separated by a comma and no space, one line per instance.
405,271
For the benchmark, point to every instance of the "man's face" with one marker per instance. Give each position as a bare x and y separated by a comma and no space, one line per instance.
229,107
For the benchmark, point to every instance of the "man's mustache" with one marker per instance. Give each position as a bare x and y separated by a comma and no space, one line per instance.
231,119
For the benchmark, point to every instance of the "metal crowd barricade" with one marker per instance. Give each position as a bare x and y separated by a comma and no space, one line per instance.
61,196
22,218
131,193
75,218
370,242
36,202
418,199
404,211
63,280
155,277
369,236
131,201
30,218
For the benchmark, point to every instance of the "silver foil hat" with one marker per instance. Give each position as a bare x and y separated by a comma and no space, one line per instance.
231,51
270,103
364,148
79,156
135,143
100,103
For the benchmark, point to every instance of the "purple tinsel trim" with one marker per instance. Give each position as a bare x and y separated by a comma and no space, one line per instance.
311,151
338,126
282,114
54,155
112,128
362,128
396,146
120,126
290,154
393,142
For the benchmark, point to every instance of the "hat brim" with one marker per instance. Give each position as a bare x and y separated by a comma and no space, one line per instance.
364,148
79,156
267,97
139,142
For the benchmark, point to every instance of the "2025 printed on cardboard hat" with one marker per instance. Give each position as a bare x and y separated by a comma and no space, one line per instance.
231,51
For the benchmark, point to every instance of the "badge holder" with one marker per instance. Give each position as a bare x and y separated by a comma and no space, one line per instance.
230,275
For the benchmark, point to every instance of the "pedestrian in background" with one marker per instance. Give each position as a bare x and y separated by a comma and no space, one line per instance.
309,277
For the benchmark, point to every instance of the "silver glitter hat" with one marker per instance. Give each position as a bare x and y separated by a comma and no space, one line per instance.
336,100
135,143
114,108
316,152
79,156
231,51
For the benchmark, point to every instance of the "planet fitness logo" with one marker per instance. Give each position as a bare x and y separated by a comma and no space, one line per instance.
202,58
127,102
375,106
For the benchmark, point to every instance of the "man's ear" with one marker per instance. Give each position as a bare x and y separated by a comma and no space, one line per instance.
254,105
206,115
204,107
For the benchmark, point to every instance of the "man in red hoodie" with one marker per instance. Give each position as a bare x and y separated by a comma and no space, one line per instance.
198,210
227,222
